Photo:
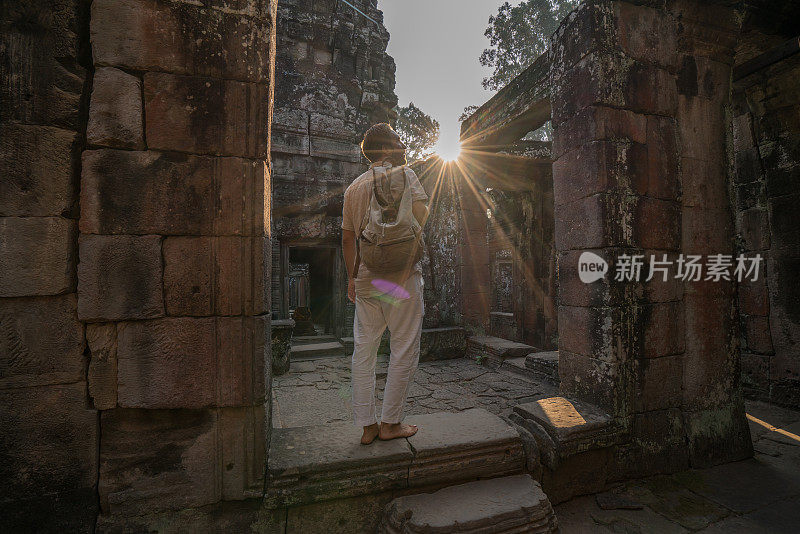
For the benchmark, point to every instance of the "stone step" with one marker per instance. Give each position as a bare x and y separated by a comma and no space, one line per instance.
333,348
544,364
442,343
512,504
312,340
320,463
517,367
495,350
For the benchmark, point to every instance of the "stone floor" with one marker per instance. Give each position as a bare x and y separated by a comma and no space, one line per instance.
318,391
761,494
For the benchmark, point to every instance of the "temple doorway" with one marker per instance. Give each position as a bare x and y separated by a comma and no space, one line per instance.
312,290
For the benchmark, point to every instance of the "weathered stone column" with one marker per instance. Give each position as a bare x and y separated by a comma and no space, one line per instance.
48,429
638,102
174,251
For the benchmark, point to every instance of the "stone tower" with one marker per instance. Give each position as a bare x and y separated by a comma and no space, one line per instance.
333,81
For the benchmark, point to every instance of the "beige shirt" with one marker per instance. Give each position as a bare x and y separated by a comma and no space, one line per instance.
356,204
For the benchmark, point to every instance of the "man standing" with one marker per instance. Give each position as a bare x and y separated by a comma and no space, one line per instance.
382,299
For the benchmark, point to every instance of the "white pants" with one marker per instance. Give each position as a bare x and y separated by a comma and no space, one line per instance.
404,319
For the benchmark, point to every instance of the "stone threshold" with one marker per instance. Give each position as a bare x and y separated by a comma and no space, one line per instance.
440,343
327,462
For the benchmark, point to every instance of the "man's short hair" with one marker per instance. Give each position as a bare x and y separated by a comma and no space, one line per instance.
378,140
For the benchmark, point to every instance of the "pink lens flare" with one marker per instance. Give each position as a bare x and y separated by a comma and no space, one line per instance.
390,289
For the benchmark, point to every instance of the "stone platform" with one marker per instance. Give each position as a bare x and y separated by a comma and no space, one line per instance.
319,463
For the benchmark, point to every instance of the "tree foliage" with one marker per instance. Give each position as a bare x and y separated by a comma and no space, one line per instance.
518,35
418,130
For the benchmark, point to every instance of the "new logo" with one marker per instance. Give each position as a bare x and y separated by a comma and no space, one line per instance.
591,267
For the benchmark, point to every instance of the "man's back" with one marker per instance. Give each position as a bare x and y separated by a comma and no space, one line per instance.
357,197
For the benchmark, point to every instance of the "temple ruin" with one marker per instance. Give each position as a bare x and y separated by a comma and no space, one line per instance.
171,186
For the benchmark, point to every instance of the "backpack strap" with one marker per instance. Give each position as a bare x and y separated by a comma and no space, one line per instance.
361,229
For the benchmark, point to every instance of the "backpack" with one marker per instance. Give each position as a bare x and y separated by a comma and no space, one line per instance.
391,238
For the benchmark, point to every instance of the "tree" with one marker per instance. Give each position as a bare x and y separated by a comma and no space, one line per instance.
467,113
418,130
520,34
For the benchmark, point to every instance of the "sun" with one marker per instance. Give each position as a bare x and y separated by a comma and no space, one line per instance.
448,150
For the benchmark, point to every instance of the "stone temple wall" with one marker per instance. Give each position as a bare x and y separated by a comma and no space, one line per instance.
135,243
766,160
49,426
333,81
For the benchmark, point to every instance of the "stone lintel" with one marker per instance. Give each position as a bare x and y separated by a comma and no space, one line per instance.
518,108
327,462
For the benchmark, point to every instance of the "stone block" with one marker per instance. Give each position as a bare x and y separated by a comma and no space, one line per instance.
191,363
224,516
102,376
457,447
608,78
286,120
582,224
319,463
37,256
115,110
324,147
664,332
757,335
663,174
701,128
41,342
658,383
442,343
589,379
509,504
43,82
206,116
281,337
704,183
647,34
755,375
711,370
657,224
119,277
353,514
785,211
156,460
600,166
544,364
242,450
599,123
125,192
573,426
717,435
574,292
495,348
36,163
706,231
182,38
214,276
753,228
49,442
290,143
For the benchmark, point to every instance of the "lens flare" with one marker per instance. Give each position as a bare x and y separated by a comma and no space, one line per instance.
389,291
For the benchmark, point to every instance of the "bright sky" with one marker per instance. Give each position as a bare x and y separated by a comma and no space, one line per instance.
436,45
